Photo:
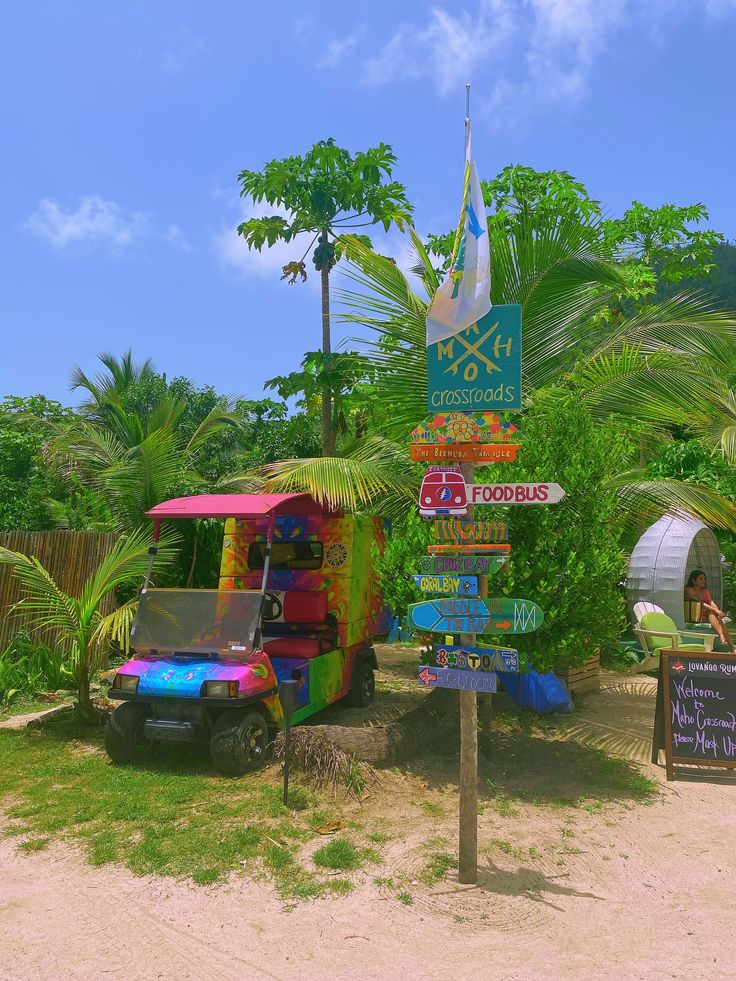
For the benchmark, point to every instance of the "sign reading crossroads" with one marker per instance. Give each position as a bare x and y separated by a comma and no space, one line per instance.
480,367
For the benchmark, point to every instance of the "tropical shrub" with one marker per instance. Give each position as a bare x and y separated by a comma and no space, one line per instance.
27,668
566,557
404,546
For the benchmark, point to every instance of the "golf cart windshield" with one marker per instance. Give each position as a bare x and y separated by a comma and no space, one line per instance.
196,620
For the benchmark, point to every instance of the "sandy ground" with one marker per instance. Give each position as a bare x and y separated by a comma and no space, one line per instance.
646,893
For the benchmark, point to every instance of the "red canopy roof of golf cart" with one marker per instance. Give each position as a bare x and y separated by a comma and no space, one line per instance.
234,506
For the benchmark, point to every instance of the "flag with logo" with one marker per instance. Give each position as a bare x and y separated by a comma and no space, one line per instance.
465,296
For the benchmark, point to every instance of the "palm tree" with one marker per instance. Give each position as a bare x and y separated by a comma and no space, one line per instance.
80,628
656,367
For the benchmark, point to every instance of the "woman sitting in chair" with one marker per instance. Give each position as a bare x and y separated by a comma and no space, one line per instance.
696,588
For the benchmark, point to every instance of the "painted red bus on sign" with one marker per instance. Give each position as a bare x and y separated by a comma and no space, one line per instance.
443,491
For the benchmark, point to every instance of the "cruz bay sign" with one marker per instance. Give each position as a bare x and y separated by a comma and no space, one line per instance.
472,565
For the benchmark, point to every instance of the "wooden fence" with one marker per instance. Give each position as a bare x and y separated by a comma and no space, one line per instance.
69,556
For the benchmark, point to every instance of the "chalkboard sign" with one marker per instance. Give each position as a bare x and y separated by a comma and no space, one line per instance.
698,694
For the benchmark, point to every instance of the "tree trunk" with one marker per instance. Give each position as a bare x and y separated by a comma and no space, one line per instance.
328,434
84,703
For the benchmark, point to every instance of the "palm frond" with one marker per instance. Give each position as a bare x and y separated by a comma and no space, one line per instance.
217,420
46,603
642,501
115,628
127,560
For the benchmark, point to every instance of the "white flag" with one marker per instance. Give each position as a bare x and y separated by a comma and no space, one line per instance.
465,296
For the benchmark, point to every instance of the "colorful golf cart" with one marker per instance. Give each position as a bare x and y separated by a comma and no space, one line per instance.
297,600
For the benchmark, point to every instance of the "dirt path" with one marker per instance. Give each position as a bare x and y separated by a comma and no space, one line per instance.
639,893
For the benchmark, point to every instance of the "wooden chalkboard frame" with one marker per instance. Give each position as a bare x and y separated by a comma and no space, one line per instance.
663,717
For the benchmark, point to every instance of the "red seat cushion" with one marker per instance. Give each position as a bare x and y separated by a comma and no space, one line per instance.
293,646
305,607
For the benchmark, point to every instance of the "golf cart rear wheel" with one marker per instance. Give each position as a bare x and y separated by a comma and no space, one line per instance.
125,740
239,742
363,687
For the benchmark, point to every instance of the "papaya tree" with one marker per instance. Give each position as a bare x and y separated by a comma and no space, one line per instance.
325,193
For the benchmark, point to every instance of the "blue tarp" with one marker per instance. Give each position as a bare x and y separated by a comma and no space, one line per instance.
540,692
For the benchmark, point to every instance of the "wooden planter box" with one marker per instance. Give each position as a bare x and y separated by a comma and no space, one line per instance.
584,678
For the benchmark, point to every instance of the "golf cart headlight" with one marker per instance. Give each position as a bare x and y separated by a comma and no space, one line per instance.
221,689
126,682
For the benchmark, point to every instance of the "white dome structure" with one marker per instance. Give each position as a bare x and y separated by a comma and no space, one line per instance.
664,557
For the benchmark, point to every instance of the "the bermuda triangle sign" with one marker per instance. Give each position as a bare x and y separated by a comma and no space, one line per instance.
477,616
479,368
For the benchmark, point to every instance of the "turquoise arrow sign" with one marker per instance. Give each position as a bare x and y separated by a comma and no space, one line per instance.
457,585
477,616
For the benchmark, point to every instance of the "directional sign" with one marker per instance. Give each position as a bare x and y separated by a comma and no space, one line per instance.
465,427
430,677
471,531
464,452
479,368
504,494
474,565
477,658
468,549
457,585
476,616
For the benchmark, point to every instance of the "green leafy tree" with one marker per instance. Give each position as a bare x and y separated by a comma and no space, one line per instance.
324,193
81,630
568,558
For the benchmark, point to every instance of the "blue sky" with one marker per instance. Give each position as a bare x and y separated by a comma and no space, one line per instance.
125,126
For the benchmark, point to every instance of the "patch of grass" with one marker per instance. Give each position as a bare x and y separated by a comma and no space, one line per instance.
379,837
300,798
503,807
205,877
340,886
432,809
34,844
277,857
340,853
437,867
405,898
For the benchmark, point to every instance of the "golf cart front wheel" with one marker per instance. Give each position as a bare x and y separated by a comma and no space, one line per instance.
239,742
125,740
363,688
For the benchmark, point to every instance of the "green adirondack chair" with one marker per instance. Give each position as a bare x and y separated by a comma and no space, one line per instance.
656,632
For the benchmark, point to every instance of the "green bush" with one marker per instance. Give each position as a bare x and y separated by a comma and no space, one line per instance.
27,668
405,545
566,557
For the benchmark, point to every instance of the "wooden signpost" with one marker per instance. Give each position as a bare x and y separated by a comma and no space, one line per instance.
477,616
695,719
505,494
477,658
458,585
475,565
464,452
456,529
432,677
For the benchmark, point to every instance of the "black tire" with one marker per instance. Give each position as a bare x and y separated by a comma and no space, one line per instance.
239,743
125,741
363,686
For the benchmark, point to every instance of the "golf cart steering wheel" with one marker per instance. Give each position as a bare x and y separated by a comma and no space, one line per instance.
272,606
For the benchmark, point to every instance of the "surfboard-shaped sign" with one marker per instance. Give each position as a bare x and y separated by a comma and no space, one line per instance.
461,565
456,585
431,677
477,616
505,494
477,658
470,531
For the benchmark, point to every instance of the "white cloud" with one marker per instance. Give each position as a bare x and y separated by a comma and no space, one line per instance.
234,254
95,220
176,237
339,48
182,49
522,54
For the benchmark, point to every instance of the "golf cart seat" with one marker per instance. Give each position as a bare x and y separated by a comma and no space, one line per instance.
297,625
